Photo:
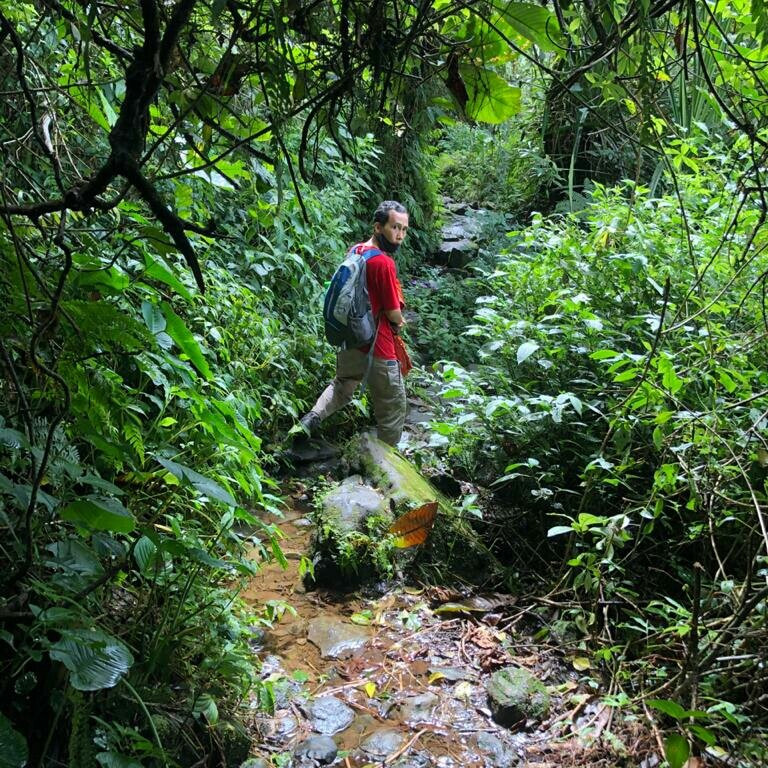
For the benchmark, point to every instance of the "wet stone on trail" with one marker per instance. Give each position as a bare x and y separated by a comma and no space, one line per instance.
285,689
329,715
335,638
313,450
453,674
279,728
256,762
414,760
515,695
383,743
418,709
316,750
498,753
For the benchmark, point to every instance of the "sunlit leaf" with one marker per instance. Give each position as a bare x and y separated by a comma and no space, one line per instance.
581,663
452,608
525,350
205,705
370,690
116,760
535,23
462,691
491,98
671,708
156,270
414,526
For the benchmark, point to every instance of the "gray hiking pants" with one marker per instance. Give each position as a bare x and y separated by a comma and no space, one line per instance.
385,385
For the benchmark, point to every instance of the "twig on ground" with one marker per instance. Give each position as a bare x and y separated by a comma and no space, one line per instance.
405,748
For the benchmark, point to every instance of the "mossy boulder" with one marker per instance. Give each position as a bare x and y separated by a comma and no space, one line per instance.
395,477
351,544
515,696
348,505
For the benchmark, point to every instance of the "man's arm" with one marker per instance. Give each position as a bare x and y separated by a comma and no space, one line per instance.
395,316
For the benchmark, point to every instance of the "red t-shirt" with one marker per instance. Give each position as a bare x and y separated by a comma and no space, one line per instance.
385,294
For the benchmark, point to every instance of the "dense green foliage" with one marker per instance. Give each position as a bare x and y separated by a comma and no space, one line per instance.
178,181
617,401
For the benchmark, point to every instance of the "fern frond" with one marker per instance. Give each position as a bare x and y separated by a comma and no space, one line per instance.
132,432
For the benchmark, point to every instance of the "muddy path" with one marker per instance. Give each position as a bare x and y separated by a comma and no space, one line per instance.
400,678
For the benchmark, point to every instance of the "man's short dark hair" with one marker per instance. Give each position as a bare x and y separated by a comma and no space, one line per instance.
381,214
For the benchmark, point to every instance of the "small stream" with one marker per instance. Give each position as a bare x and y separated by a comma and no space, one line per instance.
398,679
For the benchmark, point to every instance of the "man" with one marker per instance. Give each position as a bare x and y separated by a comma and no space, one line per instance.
385,381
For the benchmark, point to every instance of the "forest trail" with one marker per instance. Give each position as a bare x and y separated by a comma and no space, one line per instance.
398,676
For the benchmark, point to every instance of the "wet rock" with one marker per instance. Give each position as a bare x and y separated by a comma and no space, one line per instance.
418,414
256,762
499,754
286,725
383,743
317,749
285,689
335,638
312,450
258,638
515,695
271,665
461,228
413,760
418,709
456,254
458,208
453,674
349,504
277,729
329,715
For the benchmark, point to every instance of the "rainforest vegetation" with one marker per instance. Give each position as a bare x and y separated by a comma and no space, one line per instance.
180,178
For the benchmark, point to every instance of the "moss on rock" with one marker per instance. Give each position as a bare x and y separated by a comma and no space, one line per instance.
515,695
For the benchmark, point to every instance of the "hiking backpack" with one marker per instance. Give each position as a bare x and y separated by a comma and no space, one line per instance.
349,321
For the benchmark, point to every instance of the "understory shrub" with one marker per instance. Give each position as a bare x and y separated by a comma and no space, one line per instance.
619,401
136,497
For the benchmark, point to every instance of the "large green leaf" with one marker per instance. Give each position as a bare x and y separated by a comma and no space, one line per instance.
535,23
94,659
677,750
186,341
200,482
491,98
74,556
109,280
157,270
153,317
100,514
13,747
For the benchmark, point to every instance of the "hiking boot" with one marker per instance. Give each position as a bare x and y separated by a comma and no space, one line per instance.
309,423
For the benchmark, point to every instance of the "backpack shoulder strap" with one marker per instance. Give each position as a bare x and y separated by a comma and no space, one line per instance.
369,253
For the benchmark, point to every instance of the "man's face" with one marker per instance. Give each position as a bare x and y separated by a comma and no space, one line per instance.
394,230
